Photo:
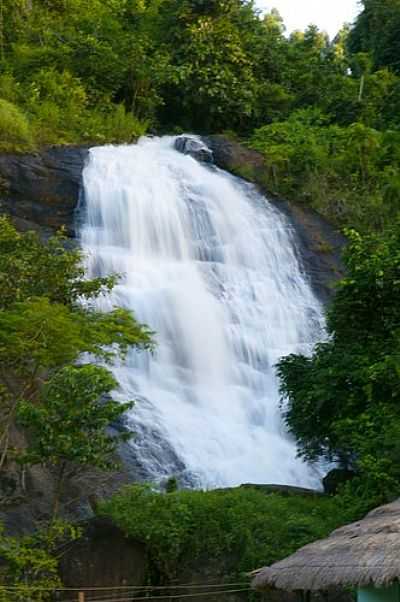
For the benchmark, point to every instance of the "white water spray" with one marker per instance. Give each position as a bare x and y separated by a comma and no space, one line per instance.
211,267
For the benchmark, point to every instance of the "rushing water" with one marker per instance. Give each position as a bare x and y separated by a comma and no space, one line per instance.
211,267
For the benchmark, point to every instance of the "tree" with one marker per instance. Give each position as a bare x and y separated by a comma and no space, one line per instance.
344,400
67,426
212,83
44,329
376,31
29,568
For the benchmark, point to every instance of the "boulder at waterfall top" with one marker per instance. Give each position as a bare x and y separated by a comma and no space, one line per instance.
195,148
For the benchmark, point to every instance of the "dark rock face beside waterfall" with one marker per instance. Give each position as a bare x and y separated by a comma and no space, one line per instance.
319,245
26,495
41,191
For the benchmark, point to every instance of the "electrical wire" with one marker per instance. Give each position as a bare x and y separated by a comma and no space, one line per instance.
126,587
170,597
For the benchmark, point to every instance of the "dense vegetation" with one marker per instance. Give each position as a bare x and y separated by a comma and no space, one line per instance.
59,404
326,116
47,322
326,113
233,530
344,401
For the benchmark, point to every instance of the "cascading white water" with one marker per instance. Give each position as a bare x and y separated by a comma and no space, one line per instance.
211,267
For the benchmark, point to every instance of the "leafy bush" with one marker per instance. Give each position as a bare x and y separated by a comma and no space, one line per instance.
15,131
114,125
240,528
29,564
344,400
57,102
351,175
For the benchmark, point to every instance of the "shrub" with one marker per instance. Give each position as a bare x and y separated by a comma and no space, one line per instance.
351,175
115,125
15,131
239,529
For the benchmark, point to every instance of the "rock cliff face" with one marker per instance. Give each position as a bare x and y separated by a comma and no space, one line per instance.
41,191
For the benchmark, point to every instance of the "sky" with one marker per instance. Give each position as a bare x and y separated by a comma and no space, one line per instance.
329,15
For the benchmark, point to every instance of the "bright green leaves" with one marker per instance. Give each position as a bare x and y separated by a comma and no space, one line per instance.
15,131
29,569
42,324
351,175
235,529
69,422
38,335
194,64
366,304
344,401
47,323
31,269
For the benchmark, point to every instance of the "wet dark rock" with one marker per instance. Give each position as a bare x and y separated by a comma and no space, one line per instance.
195,148
319,244
149,446
41,191
335,478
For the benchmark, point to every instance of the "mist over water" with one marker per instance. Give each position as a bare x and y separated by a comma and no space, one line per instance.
211,267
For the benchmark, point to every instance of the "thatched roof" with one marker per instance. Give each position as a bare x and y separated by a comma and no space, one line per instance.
364,553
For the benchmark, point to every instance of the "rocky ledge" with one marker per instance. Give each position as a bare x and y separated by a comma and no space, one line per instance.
41,191
194,147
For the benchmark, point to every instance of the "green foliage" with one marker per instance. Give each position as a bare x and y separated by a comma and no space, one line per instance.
69,422
376,31
29,268
29,569
67,425
44,329
343,402
237,529
113,124
103,71
343,172
212,75
15,131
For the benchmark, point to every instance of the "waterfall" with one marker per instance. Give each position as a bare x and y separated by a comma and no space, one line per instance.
210,265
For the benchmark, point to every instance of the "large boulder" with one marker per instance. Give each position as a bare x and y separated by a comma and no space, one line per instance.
336,478
195,148
41,191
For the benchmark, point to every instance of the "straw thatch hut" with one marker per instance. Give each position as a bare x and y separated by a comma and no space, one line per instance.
365,554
